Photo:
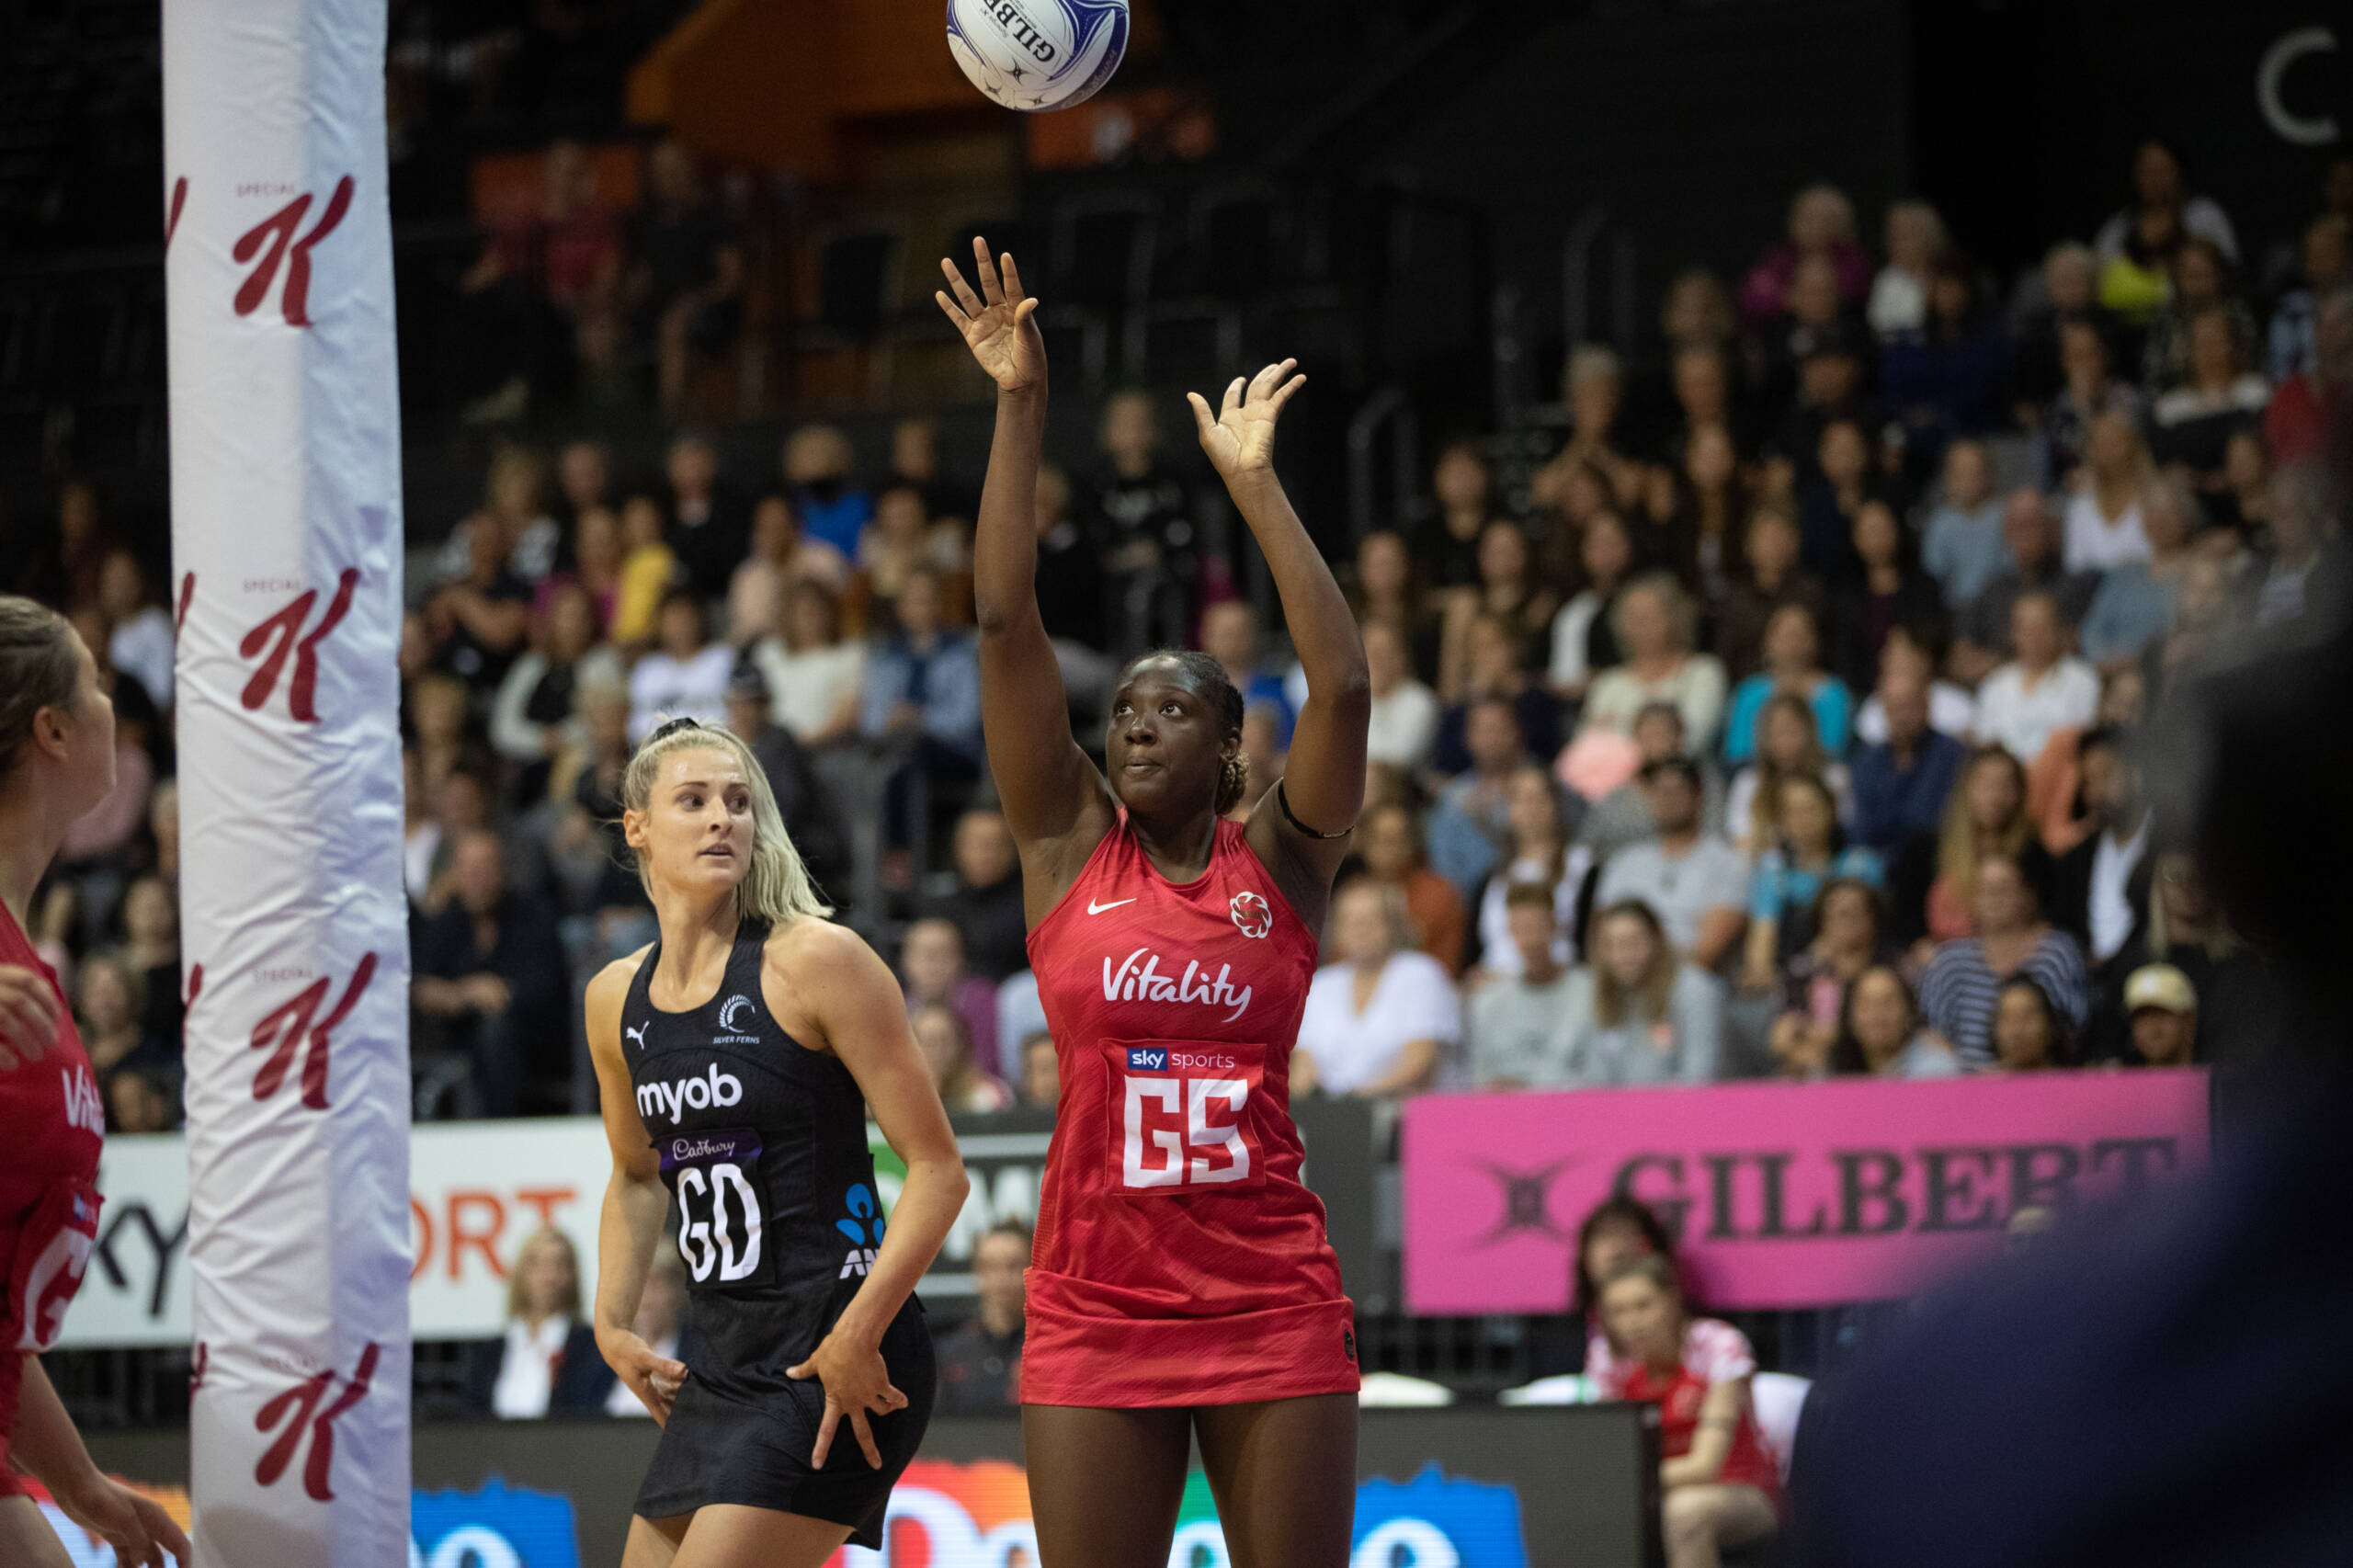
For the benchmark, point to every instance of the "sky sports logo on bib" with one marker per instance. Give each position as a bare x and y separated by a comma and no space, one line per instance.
1139,980
1160,1059
675,1098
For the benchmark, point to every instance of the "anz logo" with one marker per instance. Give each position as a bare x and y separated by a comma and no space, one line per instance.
864,1229
737,1014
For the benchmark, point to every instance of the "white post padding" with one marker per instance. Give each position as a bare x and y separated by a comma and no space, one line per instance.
286,546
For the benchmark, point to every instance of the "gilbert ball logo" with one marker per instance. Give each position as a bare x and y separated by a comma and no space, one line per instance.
1252,917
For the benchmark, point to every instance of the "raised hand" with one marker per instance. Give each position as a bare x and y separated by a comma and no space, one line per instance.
1241,439
998,323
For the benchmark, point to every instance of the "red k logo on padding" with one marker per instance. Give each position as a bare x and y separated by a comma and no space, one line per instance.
301,1402
282,633
281,1031
273,240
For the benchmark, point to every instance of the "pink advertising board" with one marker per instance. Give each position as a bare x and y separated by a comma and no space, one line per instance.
1784,1195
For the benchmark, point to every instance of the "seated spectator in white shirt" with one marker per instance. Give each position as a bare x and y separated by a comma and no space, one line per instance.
1513,1031
1695,882
1656,628
513,1377
684,677
1405,713
1637,1014
2104,515
139,641
1377,1021
2044,689
816,675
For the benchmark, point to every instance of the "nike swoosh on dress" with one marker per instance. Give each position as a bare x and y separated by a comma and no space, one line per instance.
1094,908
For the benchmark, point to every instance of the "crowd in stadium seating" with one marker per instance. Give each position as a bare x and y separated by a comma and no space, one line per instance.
1783,721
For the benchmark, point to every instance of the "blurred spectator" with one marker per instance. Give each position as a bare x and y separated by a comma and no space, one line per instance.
1494,673
586,1384
2200,283
1962,546
2100,885
2031,533
1830,392
1721,1486
922,695
1405,713
1961,991
914,462
1230,634
780,558
684,674
2064,288
947,1045
1932,885
1693,885
708,529
105,831
1821,224
532,718
818,466
110,997
1389,840
139,638
1141,515
2161,1009
1542,851
1792,667
809,818
686,277
1899,299
596,867
2306,573
151,931
138,1100
817,676
2089,391
1263,755
901,540
1446,541
932,971
1697,312
985,908
1846,477
1900,784
1379,1018
1774,578
2185,929
65,568
1471,817
1508,593
2306,409
514,1376
979,1359
584,476
511,536
1636,1011
2104,517
2220,396
2326,268
1656,628
2028,1034
1702,506
1583,640
600,551
1887,590
1790,746
1950,380
2134,604
2241,503
438,712
1622,814
1070,575
1041,1073
1849,937
1593,389
2137,241
1386,586
1512,1034
1811,852
490,991
1880,1033
2042,689
649,573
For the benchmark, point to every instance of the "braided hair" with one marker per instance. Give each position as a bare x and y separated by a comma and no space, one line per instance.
1210,677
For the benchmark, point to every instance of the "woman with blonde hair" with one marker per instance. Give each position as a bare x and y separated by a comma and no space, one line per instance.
2104,514
515,1380
1933,881
1656,626
1635,1012
738,1058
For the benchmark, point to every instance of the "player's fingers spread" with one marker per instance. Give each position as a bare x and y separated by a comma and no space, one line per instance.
802,1371
1289,387
962,289
825,1436
1234,394
1201,416
954,313
992,288
1012,276
866,1438
1025,309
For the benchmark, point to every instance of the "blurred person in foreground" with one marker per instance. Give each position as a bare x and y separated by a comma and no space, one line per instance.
2199,1332
979,1359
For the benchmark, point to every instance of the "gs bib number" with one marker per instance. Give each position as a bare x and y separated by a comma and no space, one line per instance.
716,1177
1183,1116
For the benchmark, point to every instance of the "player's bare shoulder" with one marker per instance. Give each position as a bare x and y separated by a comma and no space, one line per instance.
810,969
608,992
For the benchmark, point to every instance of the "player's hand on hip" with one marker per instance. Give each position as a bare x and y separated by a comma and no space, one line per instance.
27,1016
999,324
1240,439
656,1380
855,1381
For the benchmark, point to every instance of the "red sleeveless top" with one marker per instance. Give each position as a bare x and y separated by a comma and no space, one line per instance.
53,1125
1179,1259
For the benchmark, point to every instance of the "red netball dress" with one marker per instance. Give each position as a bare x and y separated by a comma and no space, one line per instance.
52,1125
1179,1259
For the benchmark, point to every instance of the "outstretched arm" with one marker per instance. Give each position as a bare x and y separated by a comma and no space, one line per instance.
1051,792
1324,780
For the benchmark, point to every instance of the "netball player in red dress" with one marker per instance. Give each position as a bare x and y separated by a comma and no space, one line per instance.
1182,1285
56,762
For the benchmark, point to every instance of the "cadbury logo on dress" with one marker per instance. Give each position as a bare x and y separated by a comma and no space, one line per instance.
1139,980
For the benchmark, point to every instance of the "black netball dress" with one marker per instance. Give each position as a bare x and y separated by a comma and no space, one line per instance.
763,1147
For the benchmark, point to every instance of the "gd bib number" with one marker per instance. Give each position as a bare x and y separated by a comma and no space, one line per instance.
1183,1116
716,1177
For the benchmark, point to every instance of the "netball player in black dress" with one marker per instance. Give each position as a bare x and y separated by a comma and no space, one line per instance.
737,1058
